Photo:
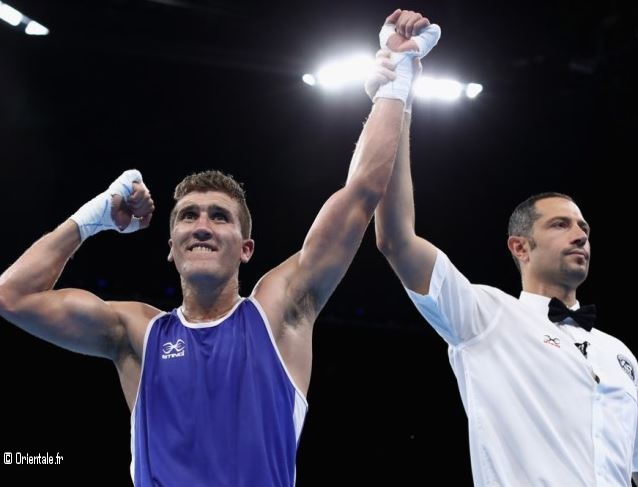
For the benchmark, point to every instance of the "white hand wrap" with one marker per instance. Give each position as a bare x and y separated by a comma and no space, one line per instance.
427,39
379,74
95,215
401,87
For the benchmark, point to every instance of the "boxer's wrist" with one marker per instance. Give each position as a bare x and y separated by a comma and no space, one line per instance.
96,215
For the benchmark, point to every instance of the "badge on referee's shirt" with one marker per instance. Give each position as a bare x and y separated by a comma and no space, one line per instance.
626,366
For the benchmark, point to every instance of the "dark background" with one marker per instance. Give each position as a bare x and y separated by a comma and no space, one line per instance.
171,87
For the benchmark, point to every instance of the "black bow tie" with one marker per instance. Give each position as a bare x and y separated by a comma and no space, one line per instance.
585,316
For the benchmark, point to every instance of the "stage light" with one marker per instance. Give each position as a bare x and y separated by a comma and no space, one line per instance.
342,72
34,28
350,72
17,19
427,87
309,79
10,15
472,90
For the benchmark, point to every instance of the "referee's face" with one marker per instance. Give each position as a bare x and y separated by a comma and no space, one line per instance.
559,248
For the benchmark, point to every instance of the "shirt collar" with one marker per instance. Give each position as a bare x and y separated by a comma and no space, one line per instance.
538,302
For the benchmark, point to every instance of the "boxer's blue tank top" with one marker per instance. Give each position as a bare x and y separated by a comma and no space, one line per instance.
216,406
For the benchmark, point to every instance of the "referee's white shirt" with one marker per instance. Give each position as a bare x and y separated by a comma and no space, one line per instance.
539,412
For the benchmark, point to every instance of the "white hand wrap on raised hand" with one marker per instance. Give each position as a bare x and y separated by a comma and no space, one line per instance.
401,87
379,73
95,215
427,39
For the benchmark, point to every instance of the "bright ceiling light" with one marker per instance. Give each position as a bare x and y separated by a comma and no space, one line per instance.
309,79
472,90
440,89
352,70
10,15
346,71
17,19
34,28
